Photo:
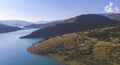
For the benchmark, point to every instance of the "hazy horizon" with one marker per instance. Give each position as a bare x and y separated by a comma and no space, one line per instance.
48,10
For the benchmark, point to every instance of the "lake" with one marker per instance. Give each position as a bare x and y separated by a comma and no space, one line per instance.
13,50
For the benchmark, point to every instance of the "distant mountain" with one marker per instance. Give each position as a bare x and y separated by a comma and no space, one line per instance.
41,22
6,28
113,16
76,24
42,25
45,22
15,23
34,26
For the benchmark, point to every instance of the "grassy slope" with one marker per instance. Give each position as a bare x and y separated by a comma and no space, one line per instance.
94,47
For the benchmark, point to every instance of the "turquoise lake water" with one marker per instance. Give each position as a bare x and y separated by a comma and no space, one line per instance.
13,50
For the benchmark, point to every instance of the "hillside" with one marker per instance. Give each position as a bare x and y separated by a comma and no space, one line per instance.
76,24
5,28
43,25
93,47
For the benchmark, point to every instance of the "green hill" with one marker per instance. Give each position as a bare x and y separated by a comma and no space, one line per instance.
93,47
76,24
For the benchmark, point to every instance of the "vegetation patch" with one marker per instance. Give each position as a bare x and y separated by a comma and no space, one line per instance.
92,47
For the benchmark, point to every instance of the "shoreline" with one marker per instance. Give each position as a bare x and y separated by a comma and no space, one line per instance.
58,58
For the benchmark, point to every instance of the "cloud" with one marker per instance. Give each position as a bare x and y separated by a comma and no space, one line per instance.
110,9
116,9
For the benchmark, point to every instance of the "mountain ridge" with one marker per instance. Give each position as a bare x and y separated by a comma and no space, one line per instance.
6,28
43,25
76,24
15,23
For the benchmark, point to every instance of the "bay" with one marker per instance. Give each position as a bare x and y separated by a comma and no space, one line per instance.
13,50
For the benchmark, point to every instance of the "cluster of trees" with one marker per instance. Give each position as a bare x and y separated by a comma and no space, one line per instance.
110,34
93,47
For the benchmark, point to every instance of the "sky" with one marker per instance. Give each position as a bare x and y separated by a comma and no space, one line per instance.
48,10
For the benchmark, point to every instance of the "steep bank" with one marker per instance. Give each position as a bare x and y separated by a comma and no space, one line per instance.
94,47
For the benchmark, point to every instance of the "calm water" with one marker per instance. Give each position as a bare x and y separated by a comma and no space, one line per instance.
13,50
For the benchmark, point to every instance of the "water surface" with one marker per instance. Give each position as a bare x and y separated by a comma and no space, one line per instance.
13,50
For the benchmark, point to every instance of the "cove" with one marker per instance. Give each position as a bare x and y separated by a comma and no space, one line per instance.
13,50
